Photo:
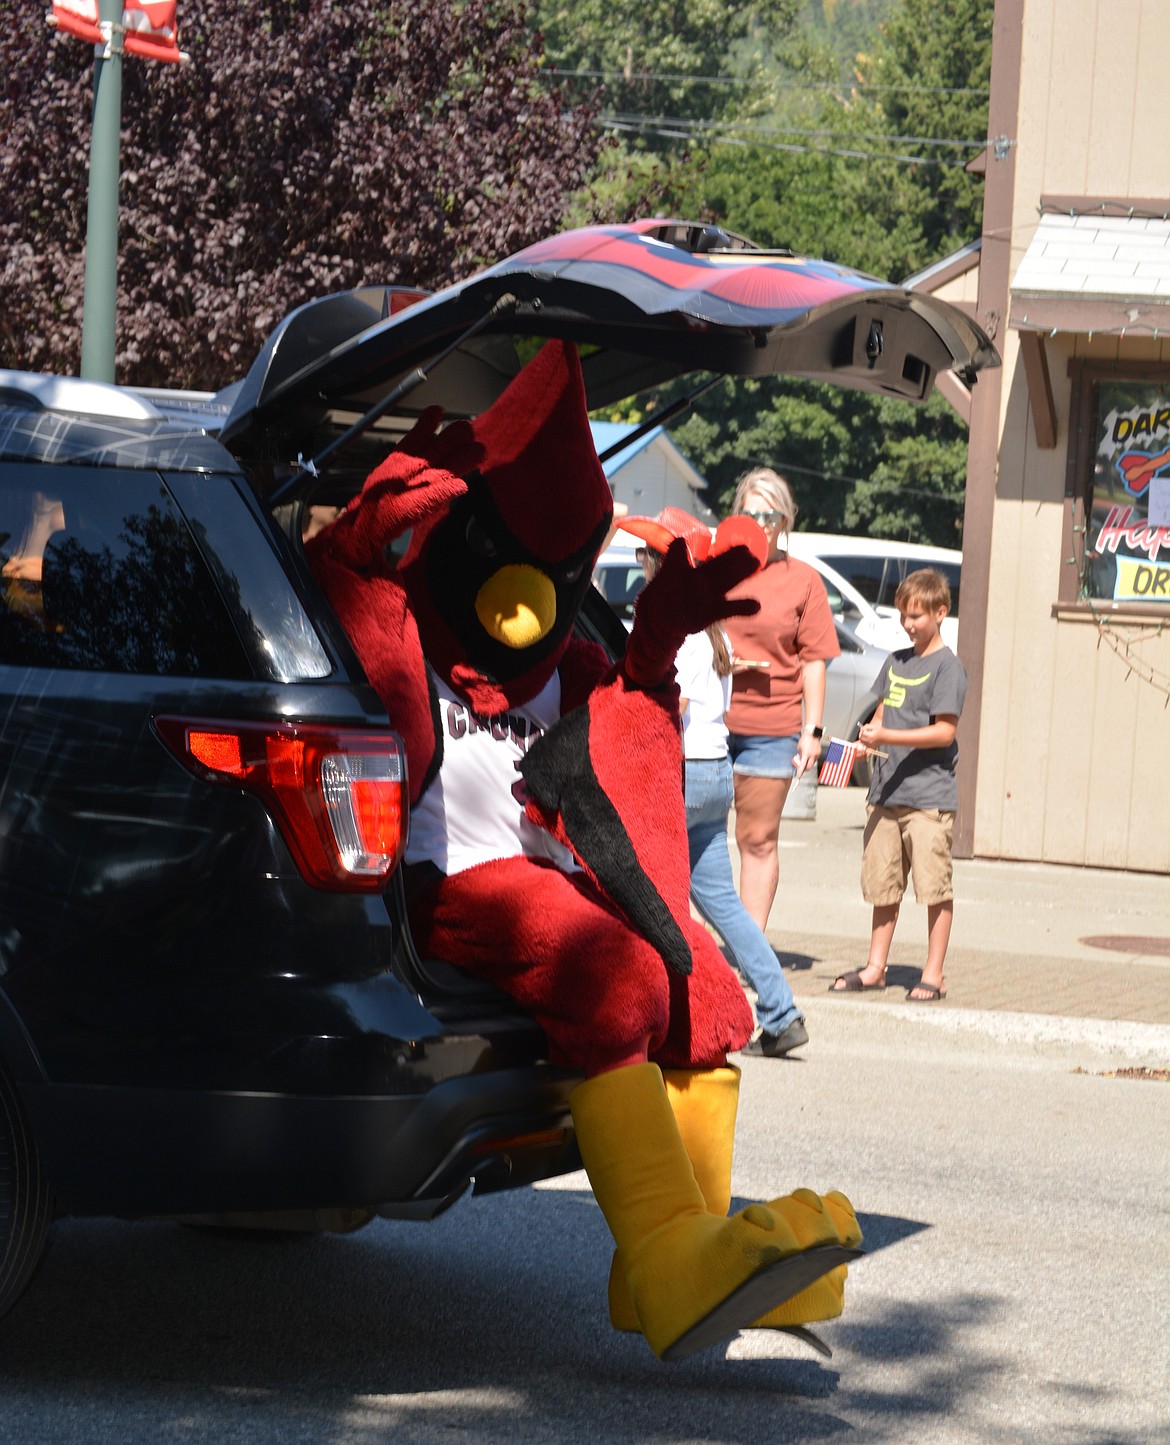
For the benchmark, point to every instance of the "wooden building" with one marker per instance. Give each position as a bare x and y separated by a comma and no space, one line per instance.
1066,544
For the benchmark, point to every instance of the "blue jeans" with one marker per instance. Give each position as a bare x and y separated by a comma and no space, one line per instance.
709,797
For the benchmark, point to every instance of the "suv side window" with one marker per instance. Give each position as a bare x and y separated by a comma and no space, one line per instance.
99,572
874,577
878,578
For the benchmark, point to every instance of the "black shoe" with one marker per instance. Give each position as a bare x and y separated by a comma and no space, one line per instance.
775,1046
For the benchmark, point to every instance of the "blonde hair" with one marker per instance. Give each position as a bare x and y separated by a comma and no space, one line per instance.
721,654
771,486
927,586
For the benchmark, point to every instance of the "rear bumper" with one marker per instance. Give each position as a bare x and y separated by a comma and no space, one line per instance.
121,1151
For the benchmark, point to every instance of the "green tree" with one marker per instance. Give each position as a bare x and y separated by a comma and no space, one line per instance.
661,73
853,174
856,462
659,59
935,66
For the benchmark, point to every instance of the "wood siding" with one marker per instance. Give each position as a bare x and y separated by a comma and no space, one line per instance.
1072,737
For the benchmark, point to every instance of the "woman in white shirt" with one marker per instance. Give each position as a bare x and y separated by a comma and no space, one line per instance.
703,668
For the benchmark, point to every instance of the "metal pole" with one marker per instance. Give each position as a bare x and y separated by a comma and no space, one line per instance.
98,324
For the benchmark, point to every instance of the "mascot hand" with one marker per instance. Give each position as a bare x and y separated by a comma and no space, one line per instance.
416,480
681,599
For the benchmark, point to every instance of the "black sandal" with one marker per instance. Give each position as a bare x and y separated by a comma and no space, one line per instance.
852,982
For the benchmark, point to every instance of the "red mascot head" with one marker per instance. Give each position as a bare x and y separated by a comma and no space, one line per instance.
496,579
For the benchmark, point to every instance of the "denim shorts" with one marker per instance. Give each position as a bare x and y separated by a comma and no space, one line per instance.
760,757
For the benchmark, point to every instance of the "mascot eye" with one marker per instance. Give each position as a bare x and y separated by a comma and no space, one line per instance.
478,541
572,575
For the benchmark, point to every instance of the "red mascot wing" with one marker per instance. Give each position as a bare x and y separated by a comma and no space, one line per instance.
607,781
608,778
596,780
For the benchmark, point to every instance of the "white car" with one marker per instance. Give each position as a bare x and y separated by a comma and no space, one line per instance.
618,575
866,571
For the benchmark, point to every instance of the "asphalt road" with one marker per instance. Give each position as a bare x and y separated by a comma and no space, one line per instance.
1018,1286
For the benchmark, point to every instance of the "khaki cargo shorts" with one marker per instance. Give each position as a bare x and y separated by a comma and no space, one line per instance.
899,842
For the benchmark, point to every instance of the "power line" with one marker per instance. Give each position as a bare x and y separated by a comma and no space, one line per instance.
663,78
674,134
836,479
751,128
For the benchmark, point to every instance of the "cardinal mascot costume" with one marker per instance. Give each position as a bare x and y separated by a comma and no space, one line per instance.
548,850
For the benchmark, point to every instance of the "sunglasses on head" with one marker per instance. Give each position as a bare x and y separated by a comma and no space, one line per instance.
765,519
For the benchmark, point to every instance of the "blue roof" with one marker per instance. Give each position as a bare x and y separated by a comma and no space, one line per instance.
608,433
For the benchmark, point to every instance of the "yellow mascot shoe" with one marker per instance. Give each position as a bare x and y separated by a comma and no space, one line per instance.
824,1300
704,1103
848,1229
694,1278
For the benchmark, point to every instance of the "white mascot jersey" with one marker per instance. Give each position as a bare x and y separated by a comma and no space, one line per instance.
473,810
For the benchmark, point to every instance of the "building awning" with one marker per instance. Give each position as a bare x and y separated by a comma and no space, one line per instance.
1095,266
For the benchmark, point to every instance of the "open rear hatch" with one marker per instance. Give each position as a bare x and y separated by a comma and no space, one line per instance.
645,303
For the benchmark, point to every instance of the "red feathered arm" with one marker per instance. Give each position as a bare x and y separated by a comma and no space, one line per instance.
681,599
348,559
415,484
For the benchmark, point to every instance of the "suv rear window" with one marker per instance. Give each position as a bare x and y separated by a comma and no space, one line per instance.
99,571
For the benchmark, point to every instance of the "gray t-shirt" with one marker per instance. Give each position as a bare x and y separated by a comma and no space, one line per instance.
916,690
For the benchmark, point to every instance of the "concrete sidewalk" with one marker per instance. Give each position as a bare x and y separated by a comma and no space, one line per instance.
1028,938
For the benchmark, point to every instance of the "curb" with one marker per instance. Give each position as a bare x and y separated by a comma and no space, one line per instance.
1051,1036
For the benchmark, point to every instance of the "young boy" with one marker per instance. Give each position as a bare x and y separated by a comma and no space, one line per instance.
913,795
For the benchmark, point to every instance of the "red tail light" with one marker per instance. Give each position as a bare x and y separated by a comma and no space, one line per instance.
338,794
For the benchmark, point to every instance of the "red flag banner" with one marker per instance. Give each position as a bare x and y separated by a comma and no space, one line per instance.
149,27
78,17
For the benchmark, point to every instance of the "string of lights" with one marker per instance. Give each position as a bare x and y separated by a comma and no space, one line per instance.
1125,642
1107,208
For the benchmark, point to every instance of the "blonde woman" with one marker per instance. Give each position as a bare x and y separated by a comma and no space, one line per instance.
778,686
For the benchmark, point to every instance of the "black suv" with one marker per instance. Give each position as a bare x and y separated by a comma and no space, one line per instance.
210,1006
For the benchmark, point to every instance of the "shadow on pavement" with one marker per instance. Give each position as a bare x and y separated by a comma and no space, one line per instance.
882,1230
795,962
489,1323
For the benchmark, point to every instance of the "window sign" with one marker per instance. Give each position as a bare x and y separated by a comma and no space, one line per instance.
1128,540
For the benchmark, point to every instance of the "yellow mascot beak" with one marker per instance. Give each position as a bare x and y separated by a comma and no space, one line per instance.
517,605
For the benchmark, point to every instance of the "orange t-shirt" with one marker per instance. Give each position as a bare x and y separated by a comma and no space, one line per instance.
793,626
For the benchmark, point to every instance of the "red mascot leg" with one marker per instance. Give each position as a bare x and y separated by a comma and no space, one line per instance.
710,1016
560,949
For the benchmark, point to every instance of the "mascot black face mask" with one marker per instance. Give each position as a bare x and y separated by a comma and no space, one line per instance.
510,607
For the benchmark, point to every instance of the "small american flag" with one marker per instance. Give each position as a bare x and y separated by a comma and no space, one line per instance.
837,768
